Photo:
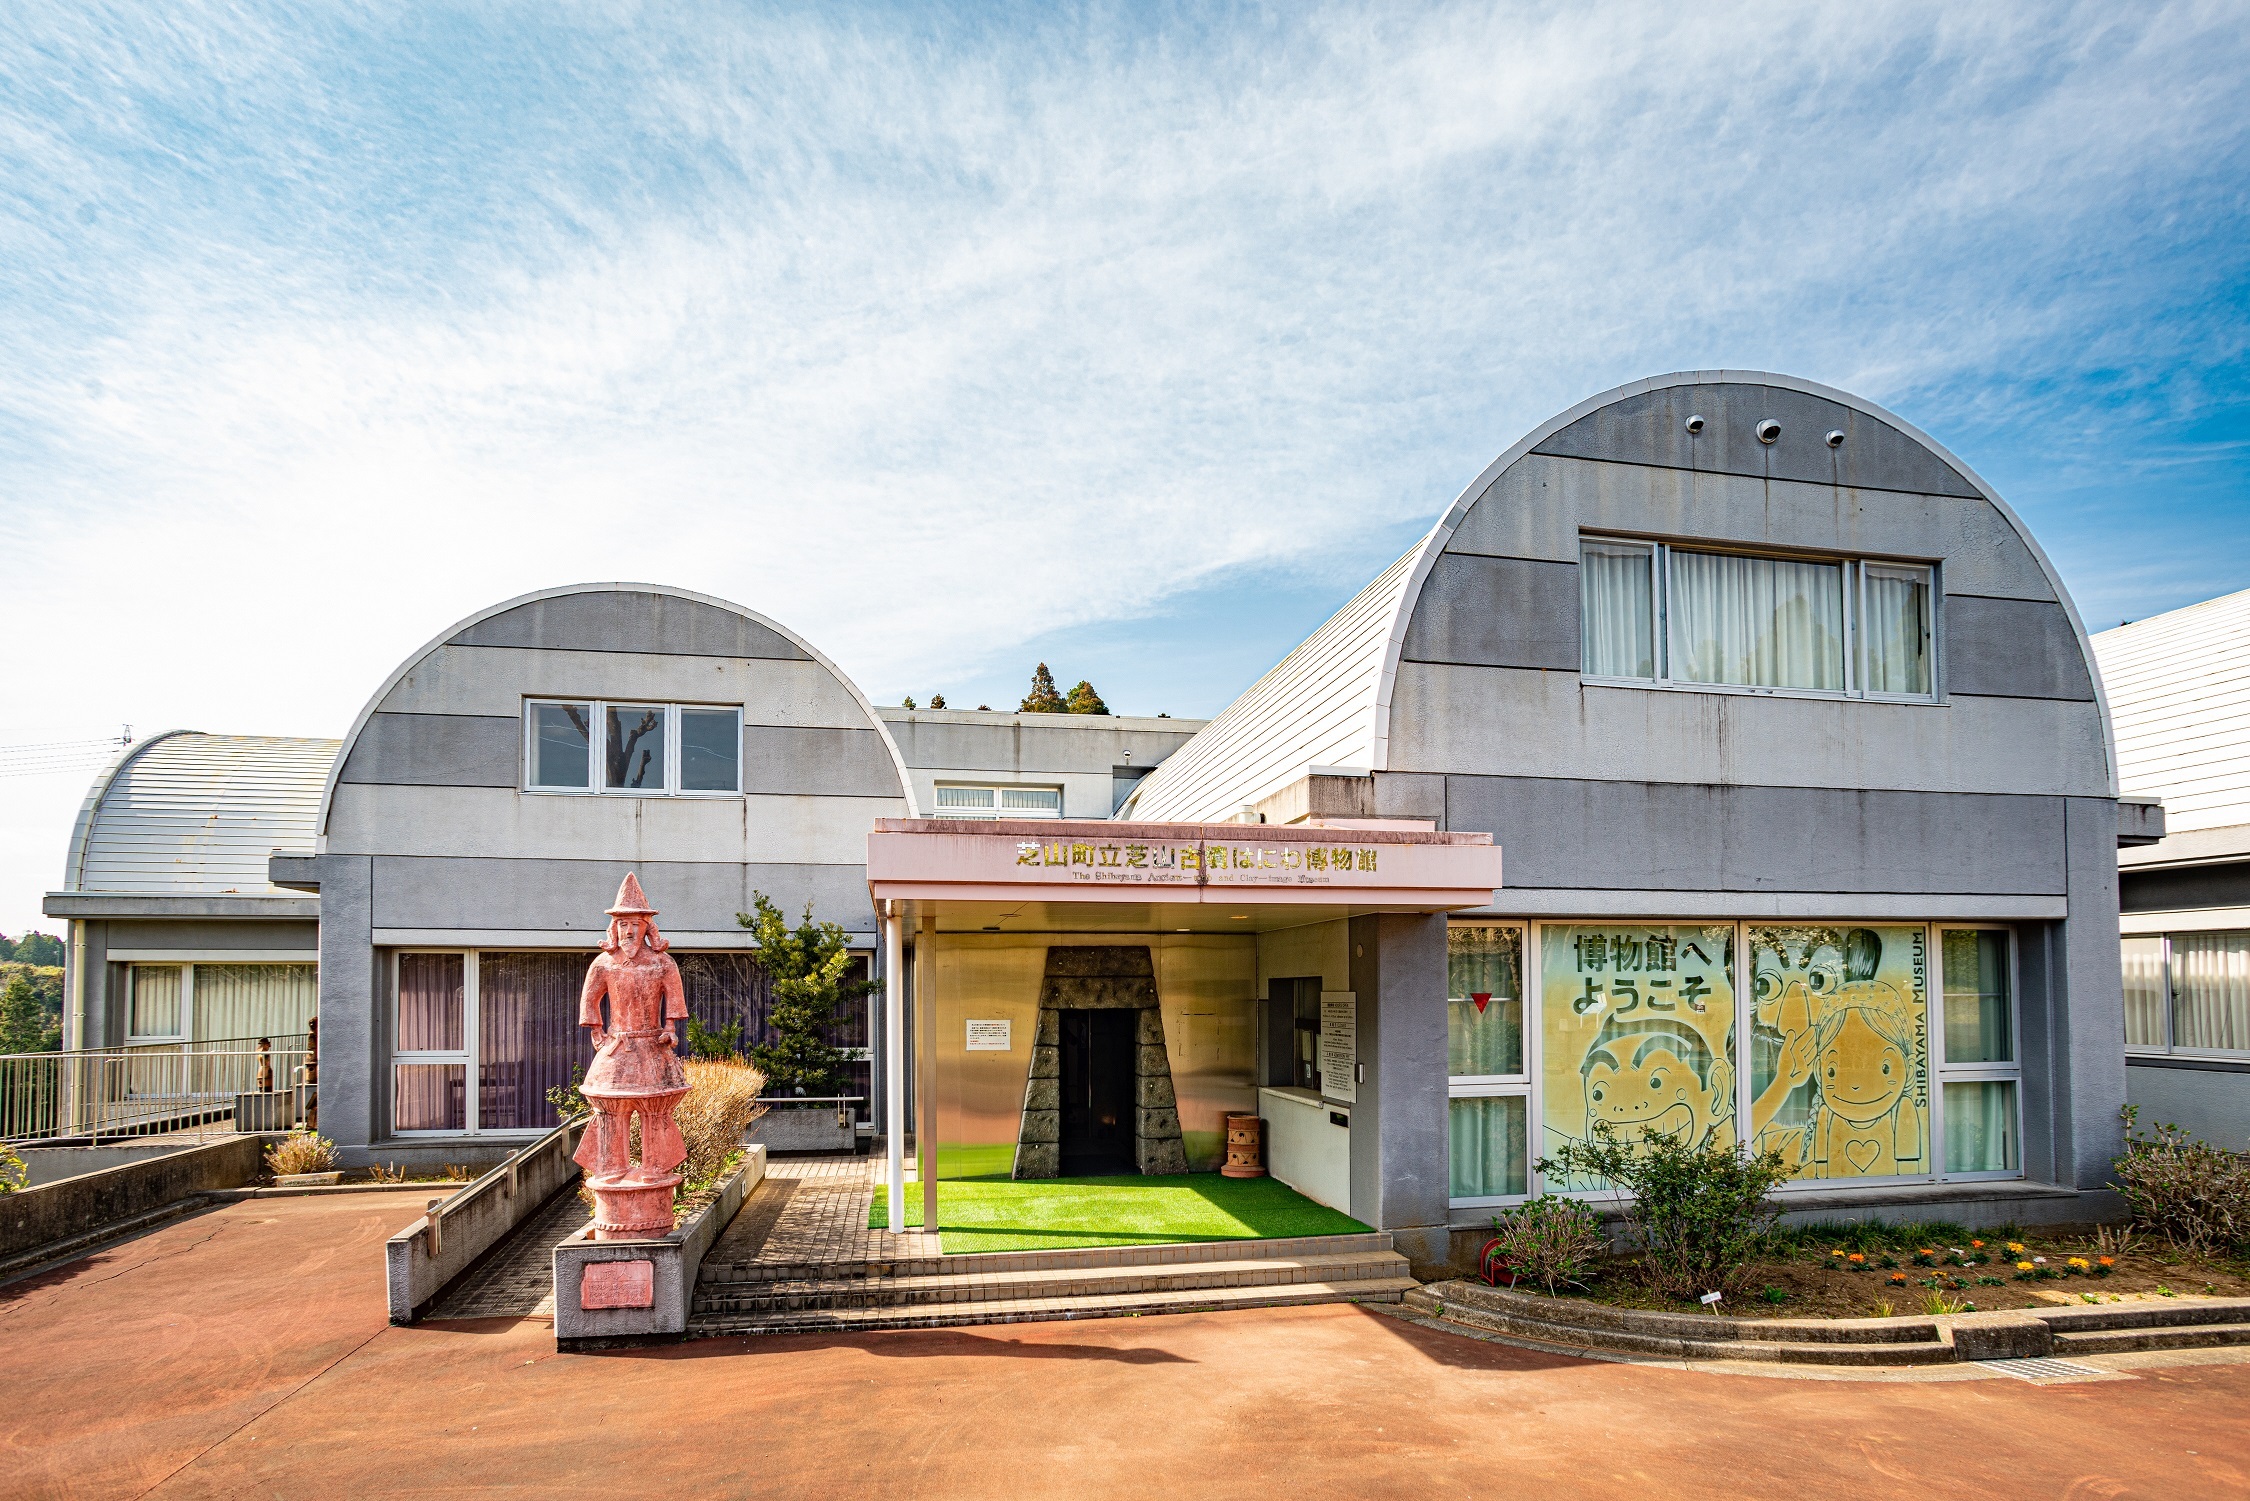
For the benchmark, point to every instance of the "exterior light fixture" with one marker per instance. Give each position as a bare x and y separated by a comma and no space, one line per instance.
1768,430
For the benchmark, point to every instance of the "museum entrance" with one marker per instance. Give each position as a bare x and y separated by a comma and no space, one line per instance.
1098,1055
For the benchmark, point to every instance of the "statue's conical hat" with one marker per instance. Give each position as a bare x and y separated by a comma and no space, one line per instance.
631,902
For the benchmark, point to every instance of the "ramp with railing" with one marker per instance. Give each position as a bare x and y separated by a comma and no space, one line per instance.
192,1091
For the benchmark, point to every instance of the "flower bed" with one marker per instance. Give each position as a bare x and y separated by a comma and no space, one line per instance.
1870,1271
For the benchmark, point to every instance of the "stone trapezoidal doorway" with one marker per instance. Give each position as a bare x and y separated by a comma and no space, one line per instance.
1121,1114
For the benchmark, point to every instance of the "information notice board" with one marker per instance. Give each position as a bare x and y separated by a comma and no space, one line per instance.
1339,1045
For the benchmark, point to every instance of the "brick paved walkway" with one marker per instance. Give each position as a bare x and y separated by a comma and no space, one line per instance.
518,1282
813,1209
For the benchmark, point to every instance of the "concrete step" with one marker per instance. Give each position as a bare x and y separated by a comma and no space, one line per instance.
2162,1337
1655,1338
1080,1258
1033,1310
1046,1282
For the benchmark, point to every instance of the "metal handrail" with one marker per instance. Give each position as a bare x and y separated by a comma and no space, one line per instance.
140,1089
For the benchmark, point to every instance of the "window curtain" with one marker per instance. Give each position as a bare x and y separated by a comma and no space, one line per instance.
1980,1127
1976,997
1897,632
1757,622
243,1002
528,1037
2211,991
1487,1146
156,1000
2144,992
430,1003
1485,961
1616,611
428,1097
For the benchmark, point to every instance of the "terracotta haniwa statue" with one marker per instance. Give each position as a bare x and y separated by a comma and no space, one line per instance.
636,1072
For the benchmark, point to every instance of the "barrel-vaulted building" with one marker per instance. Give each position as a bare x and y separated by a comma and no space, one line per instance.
1787,730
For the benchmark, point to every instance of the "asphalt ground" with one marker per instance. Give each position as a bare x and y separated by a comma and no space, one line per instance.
244,1352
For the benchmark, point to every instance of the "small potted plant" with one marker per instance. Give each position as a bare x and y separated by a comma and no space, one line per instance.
302,1159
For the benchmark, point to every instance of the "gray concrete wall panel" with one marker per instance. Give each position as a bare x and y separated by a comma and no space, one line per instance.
571,895
630,621
1507,721
212,935
494,681
791,759
1400,1174
440,750
351,1052
2185,889
1651,429
1538,506
1496,612
1029,749
2089,1013
2212,1100
1685,837
499,822
2012,648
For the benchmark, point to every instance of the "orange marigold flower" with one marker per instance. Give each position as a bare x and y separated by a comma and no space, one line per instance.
1855,1256
1976,1245
2109,1261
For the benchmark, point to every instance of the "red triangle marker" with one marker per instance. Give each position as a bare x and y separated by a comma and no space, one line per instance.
1483,998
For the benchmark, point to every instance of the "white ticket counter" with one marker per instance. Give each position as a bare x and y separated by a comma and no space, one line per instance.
1309,1144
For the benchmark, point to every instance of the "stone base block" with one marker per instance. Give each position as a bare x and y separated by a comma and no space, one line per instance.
2003,1338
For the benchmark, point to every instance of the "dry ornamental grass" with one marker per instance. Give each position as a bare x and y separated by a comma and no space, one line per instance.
722,1100
301,1152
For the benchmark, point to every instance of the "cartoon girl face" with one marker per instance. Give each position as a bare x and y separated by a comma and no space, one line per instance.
1862,1074
1642,1088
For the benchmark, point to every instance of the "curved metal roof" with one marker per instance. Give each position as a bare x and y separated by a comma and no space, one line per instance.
1328,703
185,813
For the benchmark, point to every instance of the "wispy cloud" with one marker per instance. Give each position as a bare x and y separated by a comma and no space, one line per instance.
934,333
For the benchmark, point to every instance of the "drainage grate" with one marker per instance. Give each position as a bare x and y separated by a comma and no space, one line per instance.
2047,1368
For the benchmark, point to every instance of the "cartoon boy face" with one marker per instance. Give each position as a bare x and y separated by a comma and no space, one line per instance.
1643,1088
1862,1074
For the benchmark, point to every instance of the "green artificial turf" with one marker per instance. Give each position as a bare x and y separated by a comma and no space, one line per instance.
998,1214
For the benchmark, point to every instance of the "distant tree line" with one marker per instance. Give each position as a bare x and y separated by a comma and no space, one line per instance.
33,948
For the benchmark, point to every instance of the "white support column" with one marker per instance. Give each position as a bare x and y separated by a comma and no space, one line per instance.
894,1067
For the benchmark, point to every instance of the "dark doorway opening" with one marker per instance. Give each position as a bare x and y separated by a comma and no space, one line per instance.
1097,1091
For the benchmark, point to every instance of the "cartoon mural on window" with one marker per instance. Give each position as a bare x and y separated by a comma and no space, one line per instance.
1839,1070
1637,1029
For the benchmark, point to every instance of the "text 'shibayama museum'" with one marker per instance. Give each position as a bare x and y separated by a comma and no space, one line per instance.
1788,735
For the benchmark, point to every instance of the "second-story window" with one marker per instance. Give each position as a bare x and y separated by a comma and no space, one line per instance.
641,750
997,800
1690,617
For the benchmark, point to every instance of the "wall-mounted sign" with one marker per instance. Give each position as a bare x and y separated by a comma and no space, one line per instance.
989,1037
1339,1045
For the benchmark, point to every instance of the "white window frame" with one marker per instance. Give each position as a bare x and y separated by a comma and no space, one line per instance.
2163,942
1501,1086
1531,1085
2171,1047
993,812
597,710
1853,584
187,1003
1943,1073
465,1056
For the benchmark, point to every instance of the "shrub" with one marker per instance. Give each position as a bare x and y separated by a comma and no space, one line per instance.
710,1042
567,1099
2195,1195
722,1099
1700,1214
14,1172
1551,1241
301,1152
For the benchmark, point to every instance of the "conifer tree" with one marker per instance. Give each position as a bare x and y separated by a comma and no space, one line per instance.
808,967
1084,700
23,1021
937,700
1043,699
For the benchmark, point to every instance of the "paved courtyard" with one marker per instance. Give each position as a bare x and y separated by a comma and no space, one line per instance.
244,1351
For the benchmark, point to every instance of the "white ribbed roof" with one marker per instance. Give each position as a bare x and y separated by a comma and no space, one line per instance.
186,813
1322,705
2179,693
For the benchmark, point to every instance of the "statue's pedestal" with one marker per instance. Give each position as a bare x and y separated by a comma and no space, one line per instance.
633,1208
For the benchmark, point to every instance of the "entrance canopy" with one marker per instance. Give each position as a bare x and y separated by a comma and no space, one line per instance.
1043,875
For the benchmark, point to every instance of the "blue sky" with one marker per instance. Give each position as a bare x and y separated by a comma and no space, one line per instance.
1131,337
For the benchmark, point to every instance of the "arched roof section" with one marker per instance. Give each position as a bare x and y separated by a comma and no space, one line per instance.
1329,702
584,617
188,813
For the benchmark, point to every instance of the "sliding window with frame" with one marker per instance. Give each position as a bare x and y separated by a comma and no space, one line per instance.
1979,1070
1488,1076
632,749
2188,994
1653,614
